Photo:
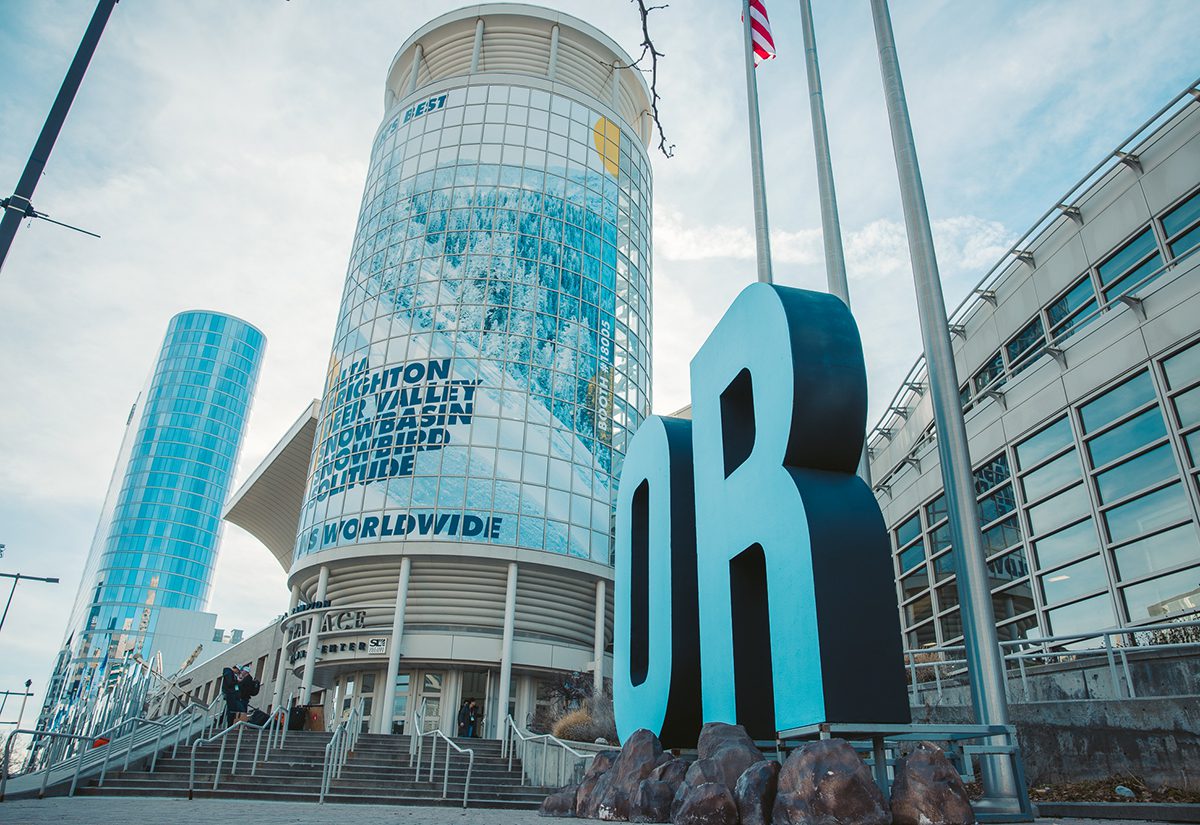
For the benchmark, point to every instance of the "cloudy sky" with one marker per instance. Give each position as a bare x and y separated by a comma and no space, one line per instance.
220,150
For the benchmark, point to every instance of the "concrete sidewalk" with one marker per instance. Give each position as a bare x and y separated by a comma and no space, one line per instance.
152,811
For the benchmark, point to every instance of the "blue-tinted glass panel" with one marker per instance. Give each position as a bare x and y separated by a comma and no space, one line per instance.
990,373
908,531
1187,241
947,596
1182,216
1136,474
1192,440
1000,535
1135,278
999,503
1073,309
1128,257
1161,551
951,626
943,567
914,583
911,557
1067,544
939,538
1187,406
935,510
1086,616
1074,580
919,610
1026,343
1050,477
1170,595
1183,368
1148,513
991,473
1024,628
1125,438
1117,402
1013,601
1007,569
1045,443
1066,506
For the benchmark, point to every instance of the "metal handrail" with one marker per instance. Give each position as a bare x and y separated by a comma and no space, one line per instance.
341,745
450,743
112,734
418,725
1110,162
1020,651
507,749
278,719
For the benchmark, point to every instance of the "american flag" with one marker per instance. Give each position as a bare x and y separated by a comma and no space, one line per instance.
760,32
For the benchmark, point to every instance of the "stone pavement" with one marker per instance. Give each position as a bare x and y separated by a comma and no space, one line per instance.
151,811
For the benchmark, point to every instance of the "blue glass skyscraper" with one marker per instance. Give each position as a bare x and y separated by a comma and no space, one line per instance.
149,573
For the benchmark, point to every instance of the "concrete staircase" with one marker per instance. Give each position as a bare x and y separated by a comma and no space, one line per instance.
377,772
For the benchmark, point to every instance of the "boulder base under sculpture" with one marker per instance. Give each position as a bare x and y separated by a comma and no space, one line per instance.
927,790
826,783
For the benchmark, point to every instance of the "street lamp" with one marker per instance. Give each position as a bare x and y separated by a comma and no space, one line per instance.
16,577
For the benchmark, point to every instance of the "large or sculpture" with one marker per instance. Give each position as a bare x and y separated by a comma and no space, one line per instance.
754,582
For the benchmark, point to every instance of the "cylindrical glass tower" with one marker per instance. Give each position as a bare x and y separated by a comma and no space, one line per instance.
492,349
156,544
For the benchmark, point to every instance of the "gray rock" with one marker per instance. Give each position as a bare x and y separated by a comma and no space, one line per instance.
561,803
730,747
825,783
614,792
927,790
709,803
585,801
652,802
672,773
754,793
698,773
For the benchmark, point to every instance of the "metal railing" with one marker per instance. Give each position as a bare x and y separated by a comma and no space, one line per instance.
118,741
514,737
434,735
341,745
936,669
276,729
418,728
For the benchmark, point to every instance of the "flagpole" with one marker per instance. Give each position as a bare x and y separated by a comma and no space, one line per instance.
985,665
831,227
762,240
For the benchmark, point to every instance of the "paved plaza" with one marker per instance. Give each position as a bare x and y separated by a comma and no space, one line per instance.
135,811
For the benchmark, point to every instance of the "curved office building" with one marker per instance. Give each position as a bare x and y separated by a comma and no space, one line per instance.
490,360
149,572
1079,355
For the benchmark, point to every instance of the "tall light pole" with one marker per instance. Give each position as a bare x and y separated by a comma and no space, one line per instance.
985,665
16,577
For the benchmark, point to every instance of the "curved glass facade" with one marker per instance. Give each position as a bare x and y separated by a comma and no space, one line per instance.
157,545
492,350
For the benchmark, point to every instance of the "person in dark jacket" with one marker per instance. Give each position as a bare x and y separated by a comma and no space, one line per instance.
474,719
234,703
464,718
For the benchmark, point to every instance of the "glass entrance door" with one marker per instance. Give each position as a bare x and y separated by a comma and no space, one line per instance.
401,703
475,688
429,699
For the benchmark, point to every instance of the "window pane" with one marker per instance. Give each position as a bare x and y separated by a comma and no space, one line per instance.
943,567
1046,443
1165,596
1074,580
1182,216
947,596
951,625
908,531
1185,242
1091,614
1050,477
1078,296
1066,506
1014,601
923,636
1188,407
1158,552
1026,628
1193,445
1130,254
1134,433
999,503
990,372
1007,568
1184,367
991,473
921,609
1027,342
914,583
1136,474
1134,279
911,557
1148,513
935,510
1001,535
1066,544
1116,402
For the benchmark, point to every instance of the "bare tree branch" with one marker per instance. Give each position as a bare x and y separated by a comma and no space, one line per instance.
648,50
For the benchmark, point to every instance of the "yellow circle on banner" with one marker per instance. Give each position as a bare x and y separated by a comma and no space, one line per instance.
608,144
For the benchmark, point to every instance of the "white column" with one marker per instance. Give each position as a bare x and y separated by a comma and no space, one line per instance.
477,47
598,643
552,64
384,713
510,617
314,628
284,667
416,68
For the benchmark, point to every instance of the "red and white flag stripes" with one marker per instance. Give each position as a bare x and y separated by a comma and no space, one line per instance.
760,32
